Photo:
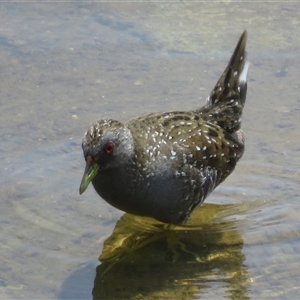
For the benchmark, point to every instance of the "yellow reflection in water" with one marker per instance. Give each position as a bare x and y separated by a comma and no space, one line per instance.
146,259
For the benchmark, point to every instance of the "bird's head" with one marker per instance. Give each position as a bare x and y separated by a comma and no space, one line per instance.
107,144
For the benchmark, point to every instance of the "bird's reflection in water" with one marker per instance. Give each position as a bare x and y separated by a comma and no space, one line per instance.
145,259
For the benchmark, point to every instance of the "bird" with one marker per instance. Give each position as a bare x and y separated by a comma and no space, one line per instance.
163,165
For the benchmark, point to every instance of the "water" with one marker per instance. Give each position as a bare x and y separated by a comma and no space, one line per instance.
64,66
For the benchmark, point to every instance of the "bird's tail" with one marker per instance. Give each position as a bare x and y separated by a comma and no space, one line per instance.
225,104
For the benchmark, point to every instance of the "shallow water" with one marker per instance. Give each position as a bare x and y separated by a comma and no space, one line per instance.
64,66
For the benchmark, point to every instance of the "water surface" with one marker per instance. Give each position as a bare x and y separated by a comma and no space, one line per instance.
66,65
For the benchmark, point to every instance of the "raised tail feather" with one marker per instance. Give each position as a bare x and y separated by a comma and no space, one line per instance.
226,102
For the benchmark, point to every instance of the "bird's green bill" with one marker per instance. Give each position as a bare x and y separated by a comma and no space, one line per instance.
90,172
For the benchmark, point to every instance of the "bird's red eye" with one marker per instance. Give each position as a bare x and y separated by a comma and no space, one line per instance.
109,148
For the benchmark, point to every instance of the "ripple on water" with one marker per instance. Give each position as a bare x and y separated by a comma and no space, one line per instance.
272,235
46,228
46,224
276,188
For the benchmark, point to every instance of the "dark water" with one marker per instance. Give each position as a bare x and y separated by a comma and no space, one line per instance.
66,65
